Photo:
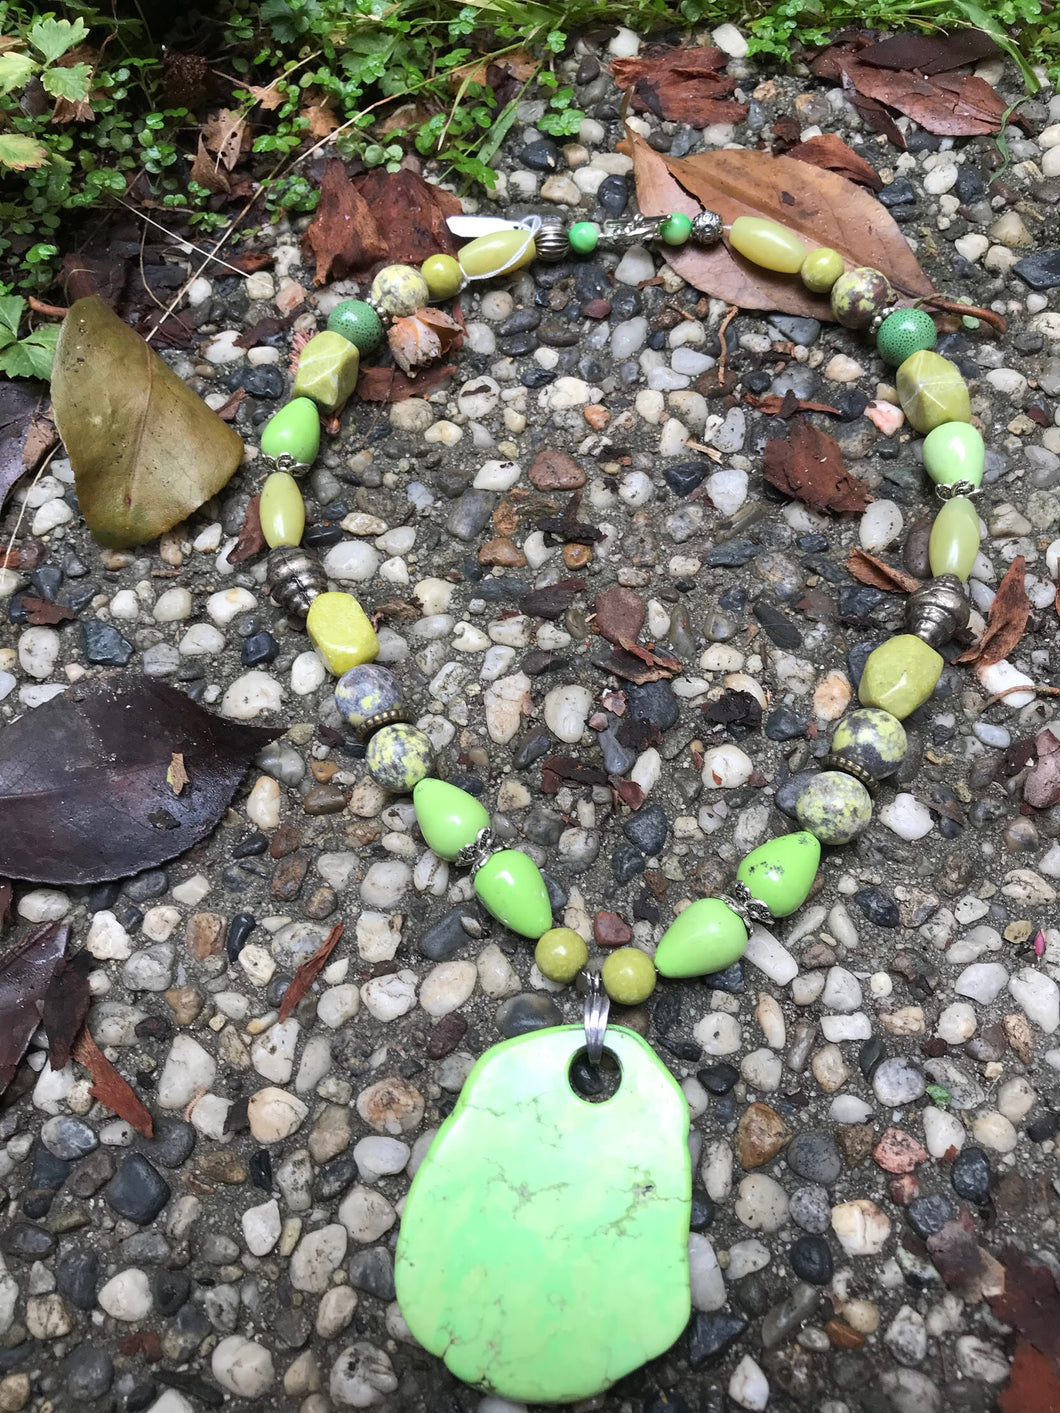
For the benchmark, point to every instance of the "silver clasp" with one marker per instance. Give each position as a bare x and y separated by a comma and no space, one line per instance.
597,1008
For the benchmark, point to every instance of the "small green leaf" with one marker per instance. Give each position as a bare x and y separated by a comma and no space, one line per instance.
15,69
39,349
939,1094
52,38
11,311
72,83
17,362
19,152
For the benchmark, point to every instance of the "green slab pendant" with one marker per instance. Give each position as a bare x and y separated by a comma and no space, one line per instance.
449,818
706,937
510,887
544,1242
780,873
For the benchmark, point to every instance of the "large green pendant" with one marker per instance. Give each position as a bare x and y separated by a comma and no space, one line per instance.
511,888
544,1242
449,818
707,937
780,873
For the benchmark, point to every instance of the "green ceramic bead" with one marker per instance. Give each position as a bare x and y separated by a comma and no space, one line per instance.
676,229
821,268
905,332
399,290
510,887
357,321
900,675
932,391
629,976
872,739
399,756
707,937
583,237
443,275
780,873
293,431
955,452
560,954
327,370
859,295
449,818
834,807
954,541
281,510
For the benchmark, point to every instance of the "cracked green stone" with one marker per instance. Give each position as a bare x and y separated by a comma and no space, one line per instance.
327,370
780,873
706,937
543,1252
449,818
510,887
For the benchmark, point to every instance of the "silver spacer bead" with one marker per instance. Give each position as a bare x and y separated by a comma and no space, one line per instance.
937,610
958,488
746,907
475,854
619,236
851,767
286,462
551,240
295,578
375,723
706,228
879,316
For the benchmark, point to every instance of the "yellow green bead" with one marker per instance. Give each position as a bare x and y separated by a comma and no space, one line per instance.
399,756
399,290
450,819
780,873
327,370
768,244
821,268
955,452
498,253
281,510
900,675
294,431
932,391
954,541
443,275
511,888
560,954
859,295
629,976
834,807
707,937
341,631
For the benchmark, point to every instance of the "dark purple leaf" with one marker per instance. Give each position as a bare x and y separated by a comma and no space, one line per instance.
83,787
26,970
66,1004
18,400
553,600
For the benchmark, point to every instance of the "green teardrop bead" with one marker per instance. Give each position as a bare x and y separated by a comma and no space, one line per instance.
293,431
955,452
449,818
954,541
780,873
706,937
511,888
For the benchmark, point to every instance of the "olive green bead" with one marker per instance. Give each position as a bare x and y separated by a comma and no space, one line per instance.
821,268
560,954
583,237
281,510
859,295
357,321
932,391
903,333
443,275
834,807
872,740
900,675
954,542
629,976
676,229
768,244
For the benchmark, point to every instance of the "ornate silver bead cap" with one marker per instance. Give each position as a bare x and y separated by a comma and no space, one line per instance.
747,908
295,578
938,610
706,228
286,462
475,854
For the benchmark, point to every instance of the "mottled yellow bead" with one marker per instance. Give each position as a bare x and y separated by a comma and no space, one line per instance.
282,510
498,253
900,675
443,275
327,370
769,244
954,541
399,290
341,631
821,268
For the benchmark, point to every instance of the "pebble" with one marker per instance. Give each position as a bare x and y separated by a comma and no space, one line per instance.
861,1227
761,1203
127,1296
907,817
970,1175
566,710
242,1367
274,1114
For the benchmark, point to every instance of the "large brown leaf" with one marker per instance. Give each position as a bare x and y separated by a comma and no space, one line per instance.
146,451
681,86
19,399
952,105
821,206
26,970
930,53
833,155
342,235
83,790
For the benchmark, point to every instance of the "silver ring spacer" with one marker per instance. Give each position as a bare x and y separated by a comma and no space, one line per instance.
286,462
475,854
747,908
597,1009
958,488
879,316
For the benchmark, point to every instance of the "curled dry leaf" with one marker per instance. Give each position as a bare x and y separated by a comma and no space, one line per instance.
950,105
1007,620
930,53
681,86
308,972
110,1088
833,155
342,236
1030,1301
808,465
422,337
26,971
1033,1385
391,385
66,1004
19,398
787,406
251,539
867,569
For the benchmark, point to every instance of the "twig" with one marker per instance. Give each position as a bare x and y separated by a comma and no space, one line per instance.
180,240
1040,689
143,273
706,450
734,309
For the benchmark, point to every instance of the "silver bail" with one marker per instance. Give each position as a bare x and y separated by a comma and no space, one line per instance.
597,1008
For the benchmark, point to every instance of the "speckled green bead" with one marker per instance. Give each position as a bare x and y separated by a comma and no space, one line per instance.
399,756
900,675
560,954
357,321
903,333
932,391
780,872
821,268
872,740
955,452
399,290
675,230
449,818
583,237
859,295
629,976
834,807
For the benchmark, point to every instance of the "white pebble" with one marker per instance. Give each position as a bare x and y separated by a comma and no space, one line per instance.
748,1386
880,526
261,1227
222,607
263,803
1038,996
981,981
242,1367
727,491
942,1131
127,1296
38,652
250,695
385,883
307,674
761,1203
905,816
566,709
726,767
172,606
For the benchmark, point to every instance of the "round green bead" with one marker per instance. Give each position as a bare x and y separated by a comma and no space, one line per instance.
905,332
953,451
560,954
357,321
443,275
835,807
583,237
629,976
399,756
871,739
821,268
676,229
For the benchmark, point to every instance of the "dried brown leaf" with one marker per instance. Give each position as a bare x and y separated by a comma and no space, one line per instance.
867,569
833,155
1033,1385
225,134
269,95
228,409
322,120
391,385
681,86
930,53
808,465
208,171
422,337
619,614
1030,1302
109,1087
43,611
1007,620
411,213
177,774
251,537
950,105
26,971
342,236
66,1004
308,972
787,406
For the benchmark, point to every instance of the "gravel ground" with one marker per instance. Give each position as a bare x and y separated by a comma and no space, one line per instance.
256,1264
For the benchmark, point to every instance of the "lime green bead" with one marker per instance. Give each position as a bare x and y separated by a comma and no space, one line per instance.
872,740
281,510
327,370
560,954
859,295
443,275
834,807
629,976
449,818
341,631
903,333
900,675
780,873
707,937
768,244
357,321
954,541
821,268
294,431
498,253
399,290
955,452
932,391
583,237
510,886
676,229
